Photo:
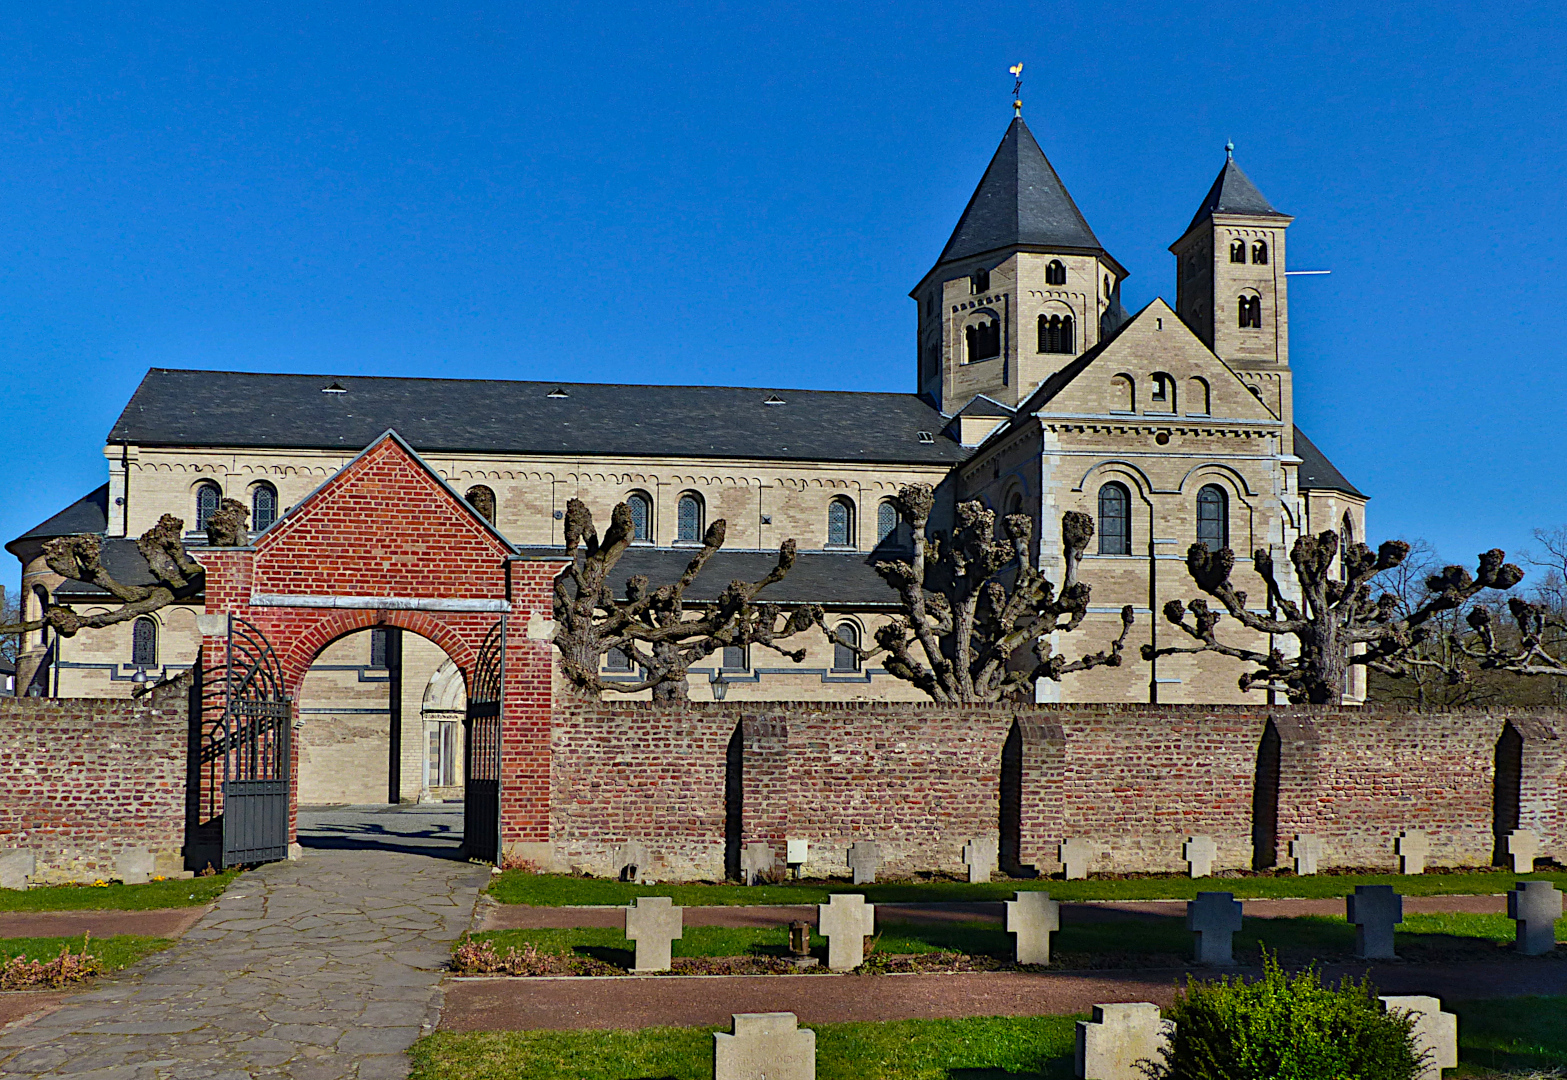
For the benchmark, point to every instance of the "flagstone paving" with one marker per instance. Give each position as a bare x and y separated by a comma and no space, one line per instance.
323,968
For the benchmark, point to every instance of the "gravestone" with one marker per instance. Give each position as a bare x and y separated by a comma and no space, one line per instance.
632,862
1436,1032
1524,847
1032,917
16,866
864,858
1110,1046
1535,905
1306,850
133,866
980,857
1374,909
845,922
653,922
1076,853
1214,917
765,1046
756,859
1199,852
1412,846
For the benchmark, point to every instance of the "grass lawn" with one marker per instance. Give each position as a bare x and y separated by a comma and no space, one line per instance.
1512,1034
555,890
981,1048
154,894
1117,944
115,952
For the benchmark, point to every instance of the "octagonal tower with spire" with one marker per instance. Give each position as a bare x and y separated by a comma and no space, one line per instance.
1022,286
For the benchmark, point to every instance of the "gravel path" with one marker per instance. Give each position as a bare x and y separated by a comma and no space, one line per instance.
325,968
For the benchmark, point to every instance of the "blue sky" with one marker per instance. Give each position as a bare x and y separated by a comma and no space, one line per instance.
744,193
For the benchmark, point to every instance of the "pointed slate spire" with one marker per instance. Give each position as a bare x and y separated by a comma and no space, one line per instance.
1020,202
1233,193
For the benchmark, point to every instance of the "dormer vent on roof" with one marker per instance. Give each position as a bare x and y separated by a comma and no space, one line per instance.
335,388
558,392
773,399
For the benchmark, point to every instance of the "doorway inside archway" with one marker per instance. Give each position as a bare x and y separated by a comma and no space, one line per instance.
380,745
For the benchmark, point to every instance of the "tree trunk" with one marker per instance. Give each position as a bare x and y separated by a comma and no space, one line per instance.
672,689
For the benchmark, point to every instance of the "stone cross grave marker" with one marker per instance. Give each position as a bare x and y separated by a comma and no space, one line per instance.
1436,1032
864,858
980,858
1110,1045
1412,846
632,862
1032,917
1306,851
1199,852
1214,917
756,859
1536,905
765,1046
653,922
1374,909
846,922
1076,853
1524,847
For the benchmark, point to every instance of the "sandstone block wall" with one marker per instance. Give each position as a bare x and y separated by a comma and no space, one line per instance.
921,780
87,780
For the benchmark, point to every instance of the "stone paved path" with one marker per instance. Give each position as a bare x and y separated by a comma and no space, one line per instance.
322,968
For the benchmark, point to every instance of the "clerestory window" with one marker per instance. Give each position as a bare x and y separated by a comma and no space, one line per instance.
688,519
1213,517
1115,519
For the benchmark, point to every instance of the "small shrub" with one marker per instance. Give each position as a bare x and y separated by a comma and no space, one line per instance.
1284,1027
20,973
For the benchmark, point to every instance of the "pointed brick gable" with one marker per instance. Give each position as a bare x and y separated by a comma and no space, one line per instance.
383,525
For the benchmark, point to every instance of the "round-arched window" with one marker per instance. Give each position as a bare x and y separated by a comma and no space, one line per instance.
844,656
207,498
688,519
263,506
1213,517
482,499
886,520
1115,519
840,523
641,508
144,643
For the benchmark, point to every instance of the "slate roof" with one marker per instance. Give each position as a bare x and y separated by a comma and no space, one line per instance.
835,580
1020,202
89,514
123,559
1316,471
227,408
980,405
1234,193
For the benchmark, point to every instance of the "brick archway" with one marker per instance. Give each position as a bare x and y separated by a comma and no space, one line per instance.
386,542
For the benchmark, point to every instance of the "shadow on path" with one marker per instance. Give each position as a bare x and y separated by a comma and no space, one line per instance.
433,829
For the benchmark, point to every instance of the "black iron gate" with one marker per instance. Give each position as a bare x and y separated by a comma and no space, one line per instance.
481,826
237,808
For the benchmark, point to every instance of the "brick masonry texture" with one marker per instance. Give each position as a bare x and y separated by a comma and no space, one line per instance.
921,780
86,779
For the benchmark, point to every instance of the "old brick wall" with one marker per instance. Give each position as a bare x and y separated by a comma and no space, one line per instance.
89,779
922,780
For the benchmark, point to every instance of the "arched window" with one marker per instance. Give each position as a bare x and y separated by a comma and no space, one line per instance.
1346,537
1057,334
736,658
1115,519
1259,253
144,643
41,597
843,657
207,498
886,520
688,519
617,660
983,339
1197,397
482,499
979,282
1213,517
840,523
1014,503
641,508
1238,251
1055,273
1123,394
1250,309
1162,391
263,506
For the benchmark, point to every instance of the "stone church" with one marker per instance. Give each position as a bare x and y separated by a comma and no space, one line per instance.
1035,393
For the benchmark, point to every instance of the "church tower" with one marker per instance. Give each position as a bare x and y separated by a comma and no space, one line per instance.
1022,287
1230,286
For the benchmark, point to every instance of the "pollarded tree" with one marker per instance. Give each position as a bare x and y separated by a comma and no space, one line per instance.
1337,623
977,615
657,629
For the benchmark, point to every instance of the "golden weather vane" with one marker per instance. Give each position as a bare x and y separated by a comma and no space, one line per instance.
1017,89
